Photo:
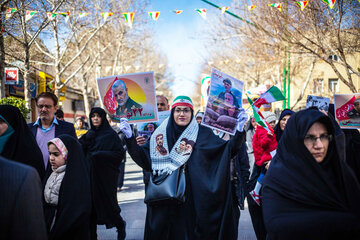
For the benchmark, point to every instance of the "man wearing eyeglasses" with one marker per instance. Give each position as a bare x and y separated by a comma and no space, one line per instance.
47,126
125,103
355,113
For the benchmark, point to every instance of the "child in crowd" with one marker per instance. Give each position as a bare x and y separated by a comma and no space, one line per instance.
67,195
264,146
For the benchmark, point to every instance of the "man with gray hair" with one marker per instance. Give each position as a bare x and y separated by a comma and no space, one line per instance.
125,103
355,112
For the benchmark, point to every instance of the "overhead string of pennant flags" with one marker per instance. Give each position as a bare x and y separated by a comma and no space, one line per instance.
129,16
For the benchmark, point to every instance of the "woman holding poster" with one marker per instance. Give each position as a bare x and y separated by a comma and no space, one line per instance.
209,210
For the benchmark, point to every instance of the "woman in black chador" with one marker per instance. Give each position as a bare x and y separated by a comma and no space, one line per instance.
104,152
68,206
209,211
309,192
17,143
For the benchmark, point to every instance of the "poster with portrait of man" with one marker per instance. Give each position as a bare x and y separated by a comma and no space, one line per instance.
322,103
224,102
130,96
347,110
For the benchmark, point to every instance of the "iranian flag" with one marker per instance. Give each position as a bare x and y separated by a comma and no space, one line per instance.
251,7
259,118
154,15
51,16
81,15
105,15
276,5
331,3
273,94
29,15
180,11
9,12
129,18
223,9
66,15
202,12
302,4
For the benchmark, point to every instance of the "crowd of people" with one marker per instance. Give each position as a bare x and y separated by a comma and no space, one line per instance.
59,180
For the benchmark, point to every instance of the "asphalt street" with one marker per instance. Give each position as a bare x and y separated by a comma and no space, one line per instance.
133,209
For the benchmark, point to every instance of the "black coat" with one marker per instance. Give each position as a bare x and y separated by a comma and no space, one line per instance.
210,211
303,199
74,206
104,153
21,146
21,213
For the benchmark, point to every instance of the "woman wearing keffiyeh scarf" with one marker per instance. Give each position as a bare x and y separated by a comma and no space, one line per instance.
209,211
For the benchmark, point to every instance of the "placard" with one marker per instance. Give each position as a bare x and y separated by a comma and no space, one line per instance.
130,96
347,110
224,102
322,103
11,76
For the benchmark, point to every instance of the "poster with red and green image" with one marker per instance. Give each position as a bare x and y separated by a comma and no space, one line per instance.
347,110
130,96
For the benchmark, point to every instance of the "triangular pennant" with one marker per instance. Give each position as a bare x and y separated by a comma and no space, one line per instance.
251,7
276,5
129,18
154,15
29,15
202,12
9,12
180,11
83,15
302,4
51,16
66,16
223,9
331,3
105,15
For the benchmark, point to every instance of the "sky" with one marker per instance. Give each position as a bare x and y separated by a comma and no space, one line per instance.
180,39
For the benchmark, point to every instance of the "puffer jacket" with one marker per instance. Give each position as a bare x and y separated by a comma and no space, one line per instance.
52,187
263,144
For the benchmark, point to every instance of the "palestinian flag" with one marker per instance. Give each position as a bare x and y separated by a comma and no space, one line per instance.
251,7
223,9
276,5
302,4
259,118
129,18
180,11
105,15
51,16
83,15
273,94
202,12
29,15
9,12
154,15
331,3
66,16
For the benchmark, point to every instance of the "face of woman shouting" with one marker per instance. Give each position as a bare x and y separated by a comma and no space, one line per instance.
182,116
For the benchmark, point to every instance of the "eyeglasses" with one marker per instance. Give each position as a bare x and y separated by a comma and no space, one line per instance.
311,140
44,106
185,110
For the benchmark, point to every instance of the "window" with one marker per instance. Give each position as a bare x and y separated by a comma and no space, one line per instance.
333,85
334,58
318,85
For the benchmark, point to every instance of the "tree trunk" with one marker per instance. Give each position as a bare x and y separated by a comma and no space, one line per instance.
27,96
86,101
2,61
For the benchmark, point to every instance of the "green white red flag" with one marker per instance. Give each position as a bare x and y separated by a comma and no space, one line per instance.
154,15
129,18
202,12
9,12
276,5
66,15
51,16
105,15
259,118
331,3
251,7
180,11
302,4
29,15
223,9
273,94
